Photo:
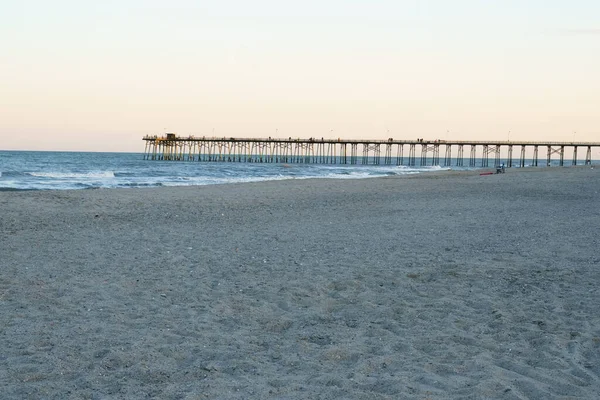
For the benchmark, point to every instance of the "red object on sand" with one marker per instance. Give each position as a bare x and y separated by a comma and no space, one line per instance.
487,173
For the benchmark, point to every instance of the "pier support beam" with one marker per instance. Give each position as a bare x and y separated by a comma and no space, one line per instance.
376,148
560,150
436,155
344,153
588,157
448,156
354,156
400,155
412,155
460,157
497,156
485,156
388,154
473,155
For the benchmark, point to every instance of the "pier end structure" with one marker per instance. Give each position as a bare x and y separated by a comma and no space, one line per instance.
419,152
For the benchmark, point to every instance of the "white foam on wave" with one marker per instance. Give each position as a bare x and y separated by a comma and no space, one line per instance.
352,175
205,180
108,179
200,181
404,168
73,175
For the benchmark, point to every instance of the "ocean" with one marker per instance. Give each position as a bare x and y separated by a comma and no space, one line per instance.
39,170
35,170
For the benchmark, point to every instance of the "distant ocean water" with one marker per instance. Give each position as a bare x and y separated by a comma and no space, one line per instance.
27,170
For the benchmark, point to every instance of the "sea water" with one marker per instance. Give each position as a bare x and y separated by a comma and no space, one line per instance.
27,170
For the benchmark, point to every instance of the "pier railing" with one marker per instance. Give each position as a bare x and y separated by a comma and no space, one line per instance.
372,152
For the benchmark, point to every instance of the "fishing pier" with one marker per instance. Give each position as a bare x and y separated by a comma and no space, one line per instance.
418,152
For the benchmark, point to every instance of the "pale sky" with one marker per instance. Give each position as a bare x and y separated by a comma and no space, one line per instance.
99,75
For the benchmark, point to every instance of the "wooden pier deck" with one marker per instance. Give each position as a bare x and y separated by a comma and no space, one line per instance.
418,152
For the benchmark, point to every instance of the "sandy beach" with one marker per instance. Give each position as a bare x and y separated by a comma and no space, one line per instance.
448,285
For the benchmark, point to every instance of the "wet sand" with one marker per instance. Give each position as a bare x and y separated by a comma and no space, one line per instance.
449,285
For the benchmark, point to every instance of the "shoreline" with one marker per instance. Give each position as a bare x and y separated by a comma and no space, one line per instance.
445,285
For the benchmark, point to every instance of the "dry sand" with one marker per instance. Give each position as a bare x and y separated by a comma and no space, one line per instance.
444,286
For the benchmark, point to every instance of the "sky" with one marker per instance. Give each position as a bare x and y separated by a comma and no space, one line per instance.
99,75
